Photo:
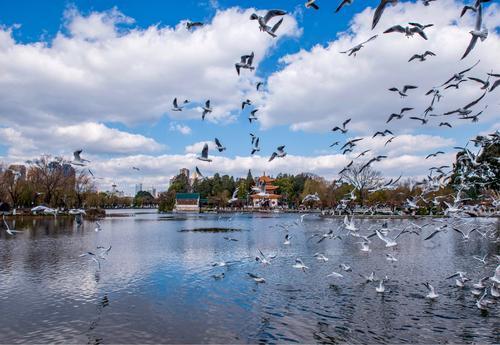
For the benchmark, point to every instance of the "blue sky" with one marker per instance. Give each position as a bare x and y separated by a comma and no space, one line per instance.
66,58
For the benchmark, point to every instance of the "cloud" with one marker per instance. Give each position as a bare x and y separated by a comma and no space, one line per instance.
102,69
319,88
197,147
183,129
157,170
94,138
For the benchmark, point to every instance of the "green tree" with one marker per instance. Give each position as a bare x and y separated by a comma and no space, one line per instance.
143,198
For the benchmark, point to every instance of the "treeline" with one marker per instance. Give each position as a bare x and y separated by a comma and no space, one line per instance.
53,182
218,190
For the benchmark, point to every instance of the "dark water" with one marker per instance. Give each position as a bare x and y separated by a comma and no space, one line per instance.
156,284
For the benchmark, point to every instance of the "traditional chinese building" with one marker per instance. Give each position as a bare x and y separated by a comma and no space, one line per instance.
269,198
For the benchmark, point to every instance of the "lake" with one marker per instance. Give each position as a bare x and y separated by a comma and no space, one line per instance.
157,284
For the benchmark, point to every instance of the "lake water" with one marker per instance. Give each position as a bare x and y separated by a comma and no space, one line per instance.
156,285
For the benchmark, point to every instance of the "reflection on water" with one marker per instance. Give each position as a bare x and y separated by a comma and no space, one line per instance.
158,284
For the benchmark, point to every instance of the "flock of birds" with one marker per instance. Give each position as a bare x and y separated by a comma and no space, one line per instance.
485,289
464,113
269,25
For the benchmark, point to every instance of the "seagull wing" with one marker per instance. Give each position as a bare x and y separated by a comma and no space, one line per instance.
473,103
273,156
277,25
495,84
346,122
479,17
468,69
370,39
341,5
250,59
431,235
378,12
471,46
416,56
458,230
395,28
477,80
217,142
204,152
273,13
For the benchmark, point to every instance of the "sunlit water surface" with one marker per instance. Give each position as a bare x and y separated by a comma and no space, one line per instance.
157,286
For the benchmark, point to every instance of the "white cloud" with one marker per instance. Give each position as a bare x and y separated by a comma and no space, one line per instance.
94,138
197,147
157,170
320,88
183,129
100,71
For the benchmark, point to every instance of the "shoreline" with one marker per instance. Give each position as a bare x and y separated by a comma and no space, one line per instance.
126,213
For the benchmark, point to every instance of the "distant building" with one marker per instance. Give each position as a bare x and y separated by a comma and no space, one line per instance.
194,177
138,188
187,202
269,198
184,171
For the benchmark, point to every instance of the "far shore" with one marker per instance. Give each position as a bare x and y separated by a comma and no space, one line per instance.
123,212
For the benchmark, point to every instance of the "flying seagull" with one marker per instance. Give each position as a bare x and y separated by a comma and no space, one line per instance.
255,147
280,153
398,116
477,33
342,129
447,124
421,57
409,31
245,62
77,160
220,147
402,93
434,154
252,116
460,75
358,47
204,154
247,102
263,20
190,25
421,119
176,106
432,293
8,229
206,109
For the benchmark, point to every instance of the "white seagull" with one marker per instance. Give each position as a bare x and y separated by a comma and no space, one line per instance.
263,20
204,154
9,230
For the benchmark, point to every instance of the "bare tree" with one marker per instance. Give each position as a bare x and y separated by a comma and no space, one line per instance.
13,183
83,186
362,179
52,176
